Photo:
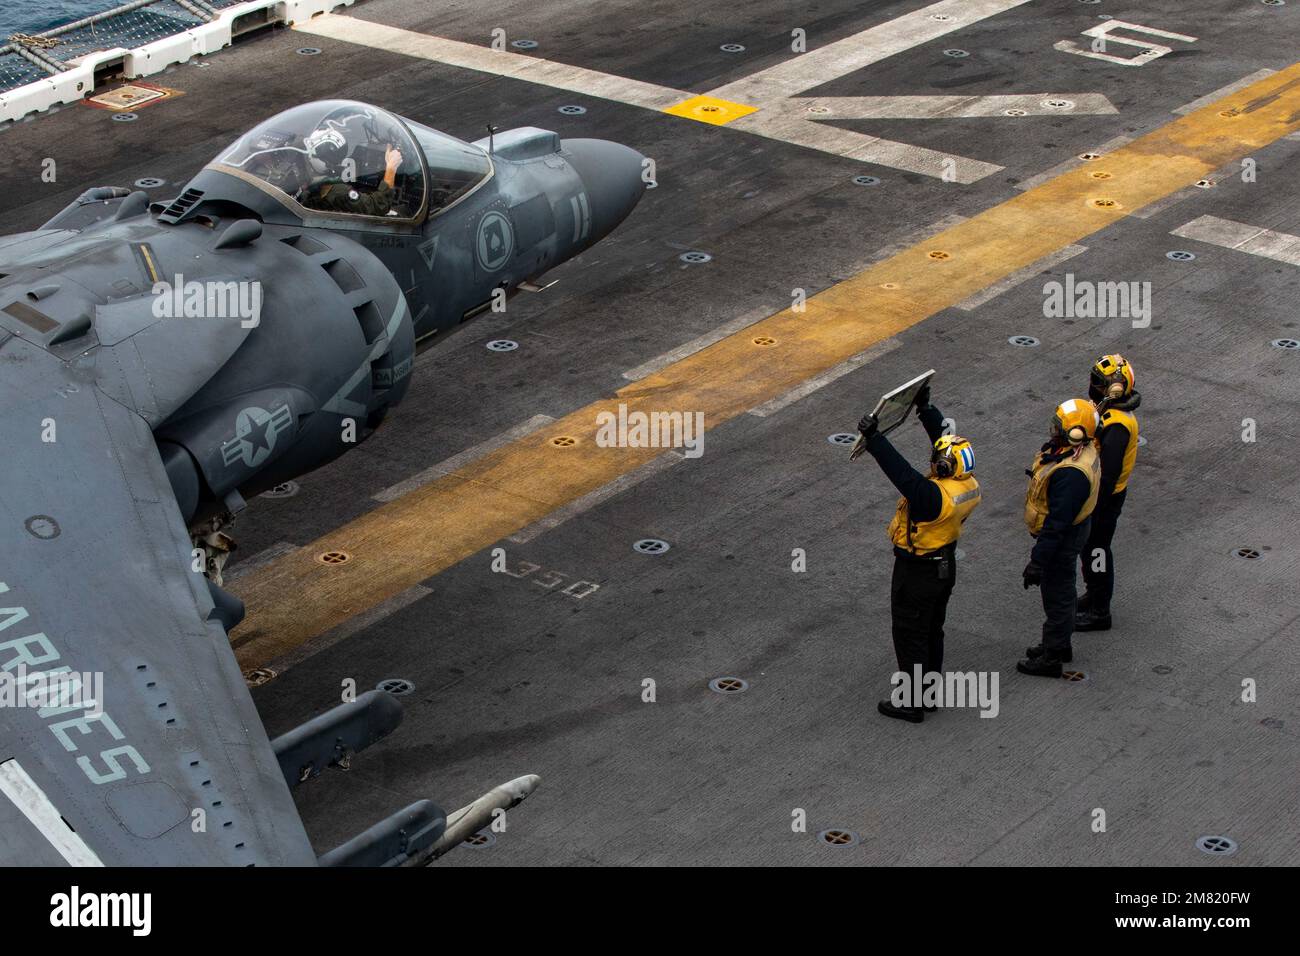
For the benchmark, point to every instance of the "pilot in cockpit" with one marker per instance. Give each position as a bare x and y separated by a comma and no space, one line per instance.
335,186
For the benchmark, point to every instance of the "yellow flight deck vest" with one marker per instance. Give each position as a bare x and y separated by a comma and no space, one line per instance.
1129,421
1086,460
960,496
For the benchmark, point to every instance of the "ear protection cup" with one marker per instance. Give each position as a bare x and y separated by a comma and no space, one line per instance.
1111,378
1075,420
952,457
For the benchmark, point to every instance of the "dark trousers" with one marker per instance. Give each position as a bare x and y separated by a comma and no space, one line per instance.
1101,584
918,602
1059,597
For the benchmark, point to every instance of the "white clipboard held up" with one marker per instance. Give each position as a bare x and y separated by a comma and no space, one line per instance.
893,408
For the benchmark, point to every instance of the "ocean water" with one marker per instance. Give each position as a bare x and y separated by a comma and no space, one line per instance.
33,16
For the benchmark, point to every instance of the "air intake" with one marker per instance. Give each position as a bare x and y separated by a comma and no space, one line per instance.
305,244
344,276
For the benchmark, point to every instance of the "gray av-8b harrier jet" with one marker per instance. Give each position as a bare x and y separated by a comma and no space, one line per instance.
161,363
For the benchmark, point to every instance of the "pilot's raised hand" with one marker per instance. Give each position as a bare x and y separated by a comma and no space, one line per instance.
392,159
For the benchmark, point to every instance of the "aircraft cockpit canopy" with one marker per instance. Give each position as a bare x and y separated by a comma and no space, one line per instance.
336,156
455,167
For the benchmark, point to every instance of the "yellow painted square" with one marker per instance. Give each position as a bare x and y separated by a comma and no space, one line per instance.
710,109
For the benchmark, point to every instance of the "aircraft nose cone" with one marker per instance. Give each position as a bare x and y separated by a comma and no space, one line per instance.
611,173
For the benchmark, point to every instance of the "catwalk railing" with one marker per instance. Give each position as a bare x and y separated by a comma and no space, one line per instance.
131,40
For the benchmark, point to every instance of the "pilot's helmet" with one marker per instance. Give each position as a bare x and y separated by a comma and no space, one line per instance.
326,148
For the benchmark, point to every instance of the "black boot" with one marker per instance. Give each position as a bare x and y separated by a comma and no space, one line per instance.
1088,619
913,715
1037,651
1045,665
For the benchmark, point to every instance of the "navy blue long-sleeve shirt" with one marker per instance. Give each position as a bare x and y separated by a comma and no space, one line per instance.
932,421
1067,492
924,499
1114,443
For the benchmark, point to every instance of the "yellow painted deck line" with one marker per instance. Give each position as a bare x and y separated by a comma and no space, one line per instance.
438,525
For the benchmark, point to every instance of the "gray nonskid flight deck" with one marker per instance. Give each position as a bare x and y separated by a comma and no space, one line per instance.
511,678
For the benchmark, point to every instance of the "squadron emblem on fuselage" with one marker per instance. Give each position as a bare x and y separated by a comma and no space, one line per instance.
496,240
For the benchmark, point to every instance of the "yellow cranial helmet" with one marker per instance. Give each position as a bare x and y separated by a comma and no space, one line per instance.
1075,420
952,457
1112,378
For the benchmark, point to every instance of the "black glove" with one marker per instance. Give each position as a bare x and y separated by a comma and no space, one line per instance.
923,398
868,426
1033,574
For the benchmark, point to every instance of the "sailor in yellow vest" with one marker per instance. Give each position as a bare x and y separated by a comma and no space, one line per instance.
1111,387
1063,485
924,532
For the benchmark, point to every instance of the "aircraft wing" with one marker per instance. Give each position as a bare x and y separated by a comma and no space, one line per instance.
95,562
